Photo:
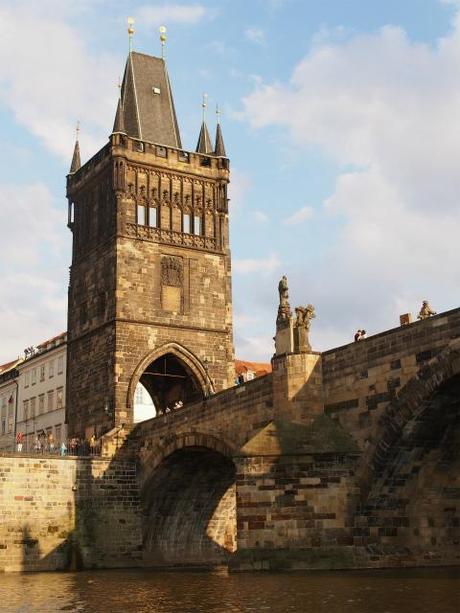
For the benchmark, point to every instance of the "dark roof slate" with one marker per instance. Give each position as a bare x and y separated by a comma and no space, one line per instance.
147,107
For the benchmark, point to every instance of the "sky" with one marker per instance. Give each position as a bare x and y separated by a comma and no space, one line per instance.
341,119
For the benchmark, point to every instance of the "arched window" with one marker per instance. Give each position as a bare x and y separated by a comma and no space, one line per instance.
197,225
186,223
141,215
152,217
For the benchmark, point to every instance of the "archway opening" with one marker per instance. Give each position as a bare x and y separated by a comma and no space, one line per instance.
170,383
144,407
190,510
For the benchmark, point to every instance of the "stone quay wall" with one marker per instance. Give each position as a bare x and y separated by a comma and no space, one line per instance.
68,513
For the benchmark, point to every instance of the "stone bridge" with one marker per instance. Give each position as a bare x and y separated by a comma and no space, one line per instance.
344,459
349,457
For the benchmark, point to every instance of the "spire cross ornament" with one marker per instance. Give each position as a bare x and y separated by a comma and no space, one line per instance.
162,30
130,32
218,113
77,131
204,104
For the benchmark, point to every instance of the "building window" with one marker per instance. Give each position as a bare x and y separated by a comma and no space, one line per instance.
26,379
57,434
10,425
25,407
59,398
60,364
141,215
33,402
41,404
51,400
42,372
3,426
152,217
197,225
186,223
33,376
51,369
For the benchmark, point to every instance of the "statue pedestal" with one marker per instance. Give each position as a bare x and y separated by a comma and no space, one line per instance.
284,339
301,340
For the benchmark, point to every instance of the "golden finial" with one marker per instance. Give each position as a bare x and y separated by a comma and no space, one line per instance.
162,30
130,32
204,104
77,131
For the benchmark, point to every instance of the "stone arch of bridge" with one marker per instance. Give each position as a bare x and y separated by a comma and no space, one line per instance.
412,400
185,364
188,495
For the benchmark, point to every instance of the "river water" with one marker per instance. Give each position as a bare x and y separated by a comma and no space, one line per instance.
139,591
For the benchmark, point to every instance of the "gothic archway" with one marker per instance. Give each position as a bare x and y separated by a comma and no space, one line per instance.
171,374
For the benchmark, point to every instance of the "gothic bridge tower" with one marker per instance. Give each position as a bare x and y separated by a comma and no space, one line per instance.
150,286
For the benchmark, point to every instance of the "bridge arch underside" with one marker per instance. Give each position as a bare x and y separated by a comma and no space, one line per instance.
190,510
169,380
413,508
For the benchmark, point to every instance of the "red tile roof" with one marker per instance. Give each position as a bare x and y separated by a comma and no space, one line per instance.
258,368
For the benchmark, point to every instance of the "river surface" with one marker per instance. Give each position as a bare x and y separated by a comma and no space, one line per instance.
139,591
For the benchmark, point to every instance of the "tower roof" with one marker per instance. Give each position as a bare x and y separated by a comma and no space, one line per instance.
204,140
76,160
219,149
119,123
147,106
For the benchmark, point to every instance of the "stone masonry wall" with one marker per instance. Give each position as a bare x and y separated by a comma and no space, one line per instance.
61,513
293,512
360,379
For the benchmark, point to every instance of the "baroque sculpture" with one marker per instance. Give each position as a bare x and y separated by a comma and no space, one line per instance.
284,308
304,315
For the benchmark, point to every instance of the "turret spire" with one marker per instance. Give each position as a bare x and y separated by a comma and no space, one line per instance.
204,140
219,148
119,123
76,160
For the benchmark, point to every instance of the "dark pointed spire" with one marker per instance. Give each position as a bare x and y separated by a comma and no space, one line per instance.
119,123
204,140
219,149
76,160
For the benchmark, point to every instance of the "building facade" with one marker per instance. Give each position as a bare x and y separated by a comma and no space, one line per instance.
41,402
150,288
9,399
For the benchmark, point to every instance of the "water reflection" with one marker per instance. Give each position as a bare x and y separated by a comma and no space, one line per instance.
139,591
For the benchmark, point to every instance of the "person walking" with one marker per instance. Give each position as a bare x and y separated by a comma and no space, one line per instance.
19,441
63,448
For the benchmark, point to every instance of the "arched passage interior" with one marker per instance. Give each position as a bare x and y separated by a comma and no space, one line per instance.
169,381
190,509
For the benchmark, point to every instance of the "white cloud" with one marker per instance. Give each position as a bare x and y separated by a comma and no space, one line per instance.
171,13
240,184
49,79
260,216
306,212
255,348
255,35
386,109
264,266
34,251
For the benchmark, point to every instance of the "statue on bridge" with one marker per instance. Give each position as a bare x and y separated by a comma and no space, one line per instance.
304,315
426,311
284,308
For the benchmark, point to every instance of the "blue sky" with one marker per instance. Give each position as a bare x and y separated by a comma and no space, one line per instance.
341,119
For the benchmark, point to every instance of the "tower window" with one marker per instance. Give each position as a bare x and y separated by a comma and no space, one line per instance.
141,215
186,223
197,226
152,217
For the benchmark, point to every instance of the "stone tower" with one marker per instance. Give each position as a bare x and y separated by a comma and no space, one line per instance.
150,281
